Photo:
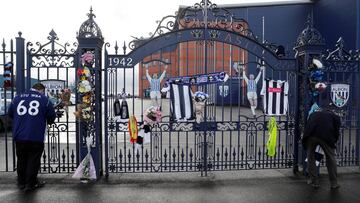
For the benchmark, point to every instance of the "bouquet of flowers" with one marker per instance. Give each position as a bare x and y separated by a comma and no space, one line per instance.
85,88
152,115
87,59
86,169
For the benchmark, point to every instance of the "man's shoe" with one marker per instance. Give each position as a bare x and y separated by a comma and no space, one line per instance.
313,184
31,188
21,186
39,184
28,189
334,186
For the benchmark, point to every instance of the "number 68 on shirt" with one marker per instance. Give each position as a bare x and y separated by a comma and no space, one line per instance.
32,109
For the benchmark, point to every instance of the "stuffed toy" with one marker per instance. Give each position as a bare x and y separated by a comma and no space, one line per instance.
199,101
65,96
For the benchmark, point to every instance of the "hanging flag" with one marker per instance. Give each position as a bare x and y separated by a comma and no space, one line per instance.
275,94
181,106
271,143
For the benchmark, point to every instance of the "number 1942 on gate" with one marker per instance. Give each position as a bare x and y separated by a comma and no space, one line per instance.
120,62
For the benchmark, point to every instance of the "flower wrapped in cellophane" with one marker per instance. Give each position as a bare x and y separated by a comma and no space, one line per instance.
152,115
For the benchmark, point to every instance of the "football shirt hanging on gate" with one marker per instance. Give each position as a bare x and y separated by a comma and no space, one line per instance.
275,94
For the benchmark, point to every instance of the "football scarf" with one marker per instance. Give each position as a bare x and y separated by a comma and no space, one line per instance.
133,129
8,68
181,106
200,79
271,143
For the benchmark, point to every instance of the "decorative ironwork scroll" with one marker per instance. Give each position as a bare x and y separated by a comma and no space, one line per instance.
195,17
52,54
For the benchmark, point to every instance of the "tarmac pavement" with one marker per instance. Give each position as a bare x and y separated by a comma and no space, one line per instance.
231,186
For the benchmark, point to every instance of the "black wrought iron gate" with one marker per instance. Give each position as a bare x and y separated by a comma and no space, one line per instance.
230,137
201,39
55,63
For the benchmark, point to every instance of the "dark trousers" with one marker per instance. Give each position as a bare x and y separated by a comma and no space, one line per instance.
311,144
28,161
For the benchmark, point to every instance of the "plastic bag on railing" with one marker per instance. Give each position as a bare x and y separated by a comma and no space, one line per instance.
86,170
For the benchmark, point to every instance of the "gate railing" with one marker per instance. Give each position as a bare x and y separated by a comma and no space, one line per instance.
214,145
343,67
54,61
7,150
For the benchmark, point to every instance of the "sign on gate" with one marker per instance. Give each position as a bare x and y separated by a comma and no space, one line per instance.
120,61
53,90
340,94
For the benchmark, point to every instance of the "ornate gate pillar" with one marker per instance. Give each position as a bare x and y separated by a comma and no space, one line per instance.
309,45
89,99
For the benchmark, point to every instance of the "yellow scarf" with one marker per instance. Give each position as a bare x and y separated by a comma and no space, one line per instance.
271,143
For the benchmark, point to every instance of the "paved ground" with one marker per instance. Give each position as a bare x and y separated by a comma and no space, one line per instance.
238,186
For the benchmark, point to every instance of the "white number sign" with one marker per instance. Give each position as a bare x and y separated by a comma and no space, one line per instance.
33,109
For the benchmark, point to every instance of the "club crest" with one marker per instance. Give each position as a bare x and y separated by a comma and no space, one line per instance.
224,90
340,94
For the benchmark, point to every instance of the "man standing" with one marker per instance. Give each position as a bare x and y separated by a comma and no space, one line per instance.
155,82
322,129
31,112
